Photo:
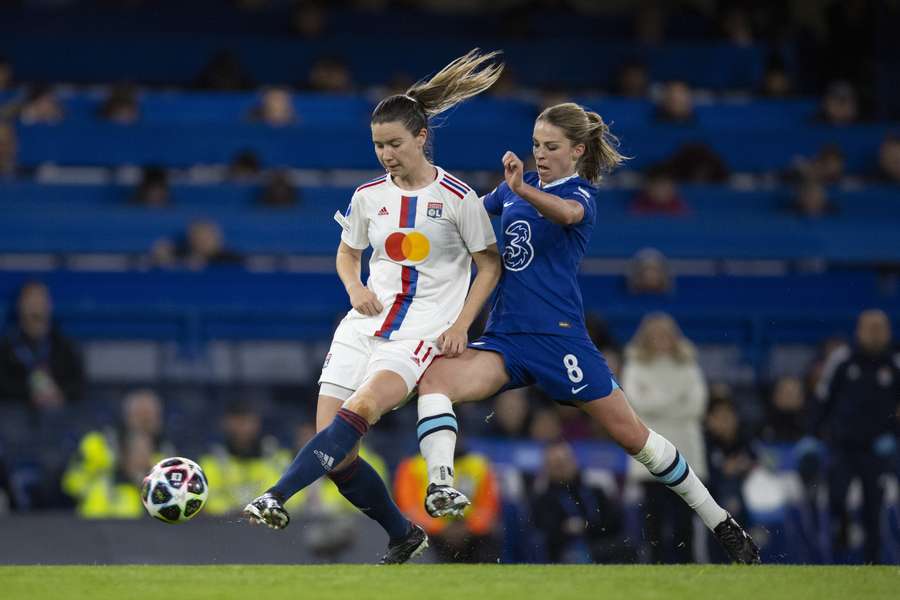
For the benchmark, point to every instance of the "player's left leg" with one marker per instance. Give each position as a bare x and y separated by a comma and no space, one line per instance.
357,481
327,450
667,465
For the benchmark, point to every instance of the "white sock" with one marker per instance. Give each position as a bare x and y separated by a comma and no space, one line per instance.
667,465
437,437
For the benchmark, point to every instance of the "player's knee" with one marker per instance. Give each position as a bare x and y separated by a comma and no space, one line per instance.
631,435
435,382
365,405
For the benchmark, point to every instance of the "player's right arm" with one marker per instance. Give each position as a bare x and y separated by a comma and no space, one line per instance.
355,239
349,267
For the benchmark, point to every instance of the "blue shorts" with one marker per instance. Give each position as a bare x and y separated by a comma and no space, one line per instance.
569,369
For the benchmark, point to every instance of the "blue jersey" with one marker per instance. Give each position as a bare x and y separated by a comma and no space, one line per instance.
538,291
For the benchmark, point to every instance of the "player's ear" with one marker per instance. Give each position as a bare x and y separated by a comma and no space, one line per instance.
577,151
421,138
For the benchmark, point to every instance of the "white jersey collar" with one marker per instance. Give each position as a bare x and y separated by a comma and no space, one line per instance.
557,182
440,175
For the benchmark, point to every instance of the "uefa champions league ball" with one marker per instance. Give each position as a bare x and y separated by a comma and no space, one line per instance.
175,490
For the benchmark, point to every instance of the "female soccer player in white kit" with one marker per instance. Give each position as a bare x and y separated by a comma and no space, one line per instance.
425,227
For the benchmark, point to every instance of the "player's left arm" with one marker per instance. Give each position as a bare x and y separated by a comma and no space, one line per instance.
474,226
553,208
454,340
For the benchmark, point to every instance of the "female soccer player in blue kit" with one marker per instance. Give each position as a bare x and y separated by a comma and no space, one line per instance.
536,332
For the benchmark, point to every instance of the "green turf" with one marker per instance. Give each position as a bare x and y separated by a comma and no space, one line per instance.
460,582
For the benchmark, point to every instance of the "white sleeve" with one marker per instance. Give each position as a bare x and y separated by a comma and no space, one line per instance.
474,224
357,236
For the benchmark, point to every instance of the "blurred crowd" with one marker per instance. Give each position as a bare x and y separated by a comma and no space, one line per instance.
836,422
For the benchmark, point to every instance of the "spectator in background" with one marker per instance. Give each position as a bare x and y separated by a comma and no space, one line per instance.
812,201
276,108
206,247
730,458
579,522
828,166
6,74
786,419
605,341
224,73
279,191
38,364
668,392
117,494
696,162
153,190
659,196
650,24
476,537
736,26
203,246
888,160
121,105
330,75
816,369
840,105
676,104
633,81
102,454
649,273
308,19
776,82
546,425
245,462
511,415
7,496
245,167
9,150
857,416
41,107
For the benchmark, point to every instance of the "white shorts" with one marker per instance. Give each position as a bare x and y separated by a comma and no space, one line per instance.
354,357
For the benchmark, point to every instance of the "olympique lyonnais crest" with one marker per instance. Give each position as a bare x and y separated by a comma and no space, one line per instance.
435,209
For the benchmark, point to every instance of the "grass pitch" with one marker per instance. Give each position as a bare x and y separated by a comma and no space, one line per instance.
457,582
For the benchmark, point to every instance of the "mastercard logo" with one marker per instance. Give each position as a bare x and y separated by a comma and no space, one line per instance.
407,246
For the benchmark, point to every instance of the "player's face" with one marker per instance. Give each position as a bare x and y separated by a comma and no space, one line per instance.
398,151
554,153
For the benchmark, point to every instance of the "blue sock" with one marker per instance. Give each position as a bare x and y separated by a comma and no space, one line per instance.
321,454
365,489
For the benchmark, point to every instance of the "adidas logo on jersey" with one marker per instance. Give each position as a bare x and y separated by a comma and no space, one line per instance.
383,212
327,461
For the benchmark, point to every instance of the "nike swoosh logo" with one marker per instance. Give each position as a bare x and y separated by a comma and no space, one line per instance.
507,204
576,390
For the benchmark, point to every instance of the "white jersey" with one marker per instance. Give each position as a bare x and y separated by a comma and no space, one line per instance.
421,263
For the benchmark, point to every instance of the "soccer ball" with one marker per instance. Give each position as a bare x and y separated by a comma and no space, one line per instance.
175,490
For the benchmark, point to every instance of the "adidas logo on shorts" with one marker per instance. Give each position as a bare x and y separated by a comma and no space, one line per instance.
327,461
383,212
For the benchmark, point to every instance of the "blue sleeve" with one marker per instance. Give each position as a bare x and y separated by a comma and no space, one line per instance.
584,195
493,200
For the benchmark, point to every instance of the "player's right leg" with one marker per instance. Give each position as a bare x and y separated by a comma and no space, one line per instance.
474,375
342,372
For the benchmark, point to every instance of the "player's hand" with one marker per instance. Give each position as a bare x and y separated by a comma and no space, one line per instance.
453,341
364,301
512,171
